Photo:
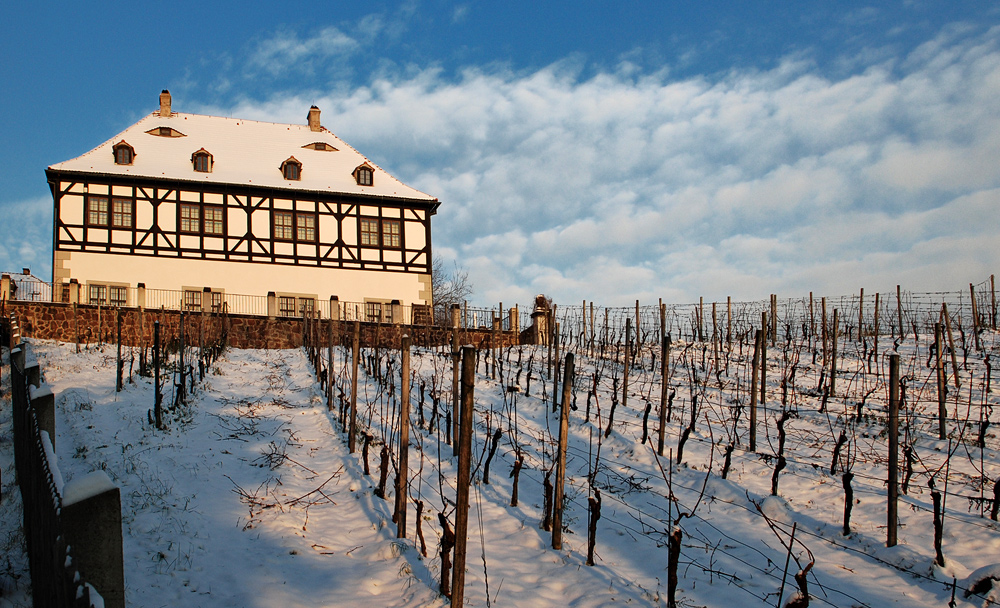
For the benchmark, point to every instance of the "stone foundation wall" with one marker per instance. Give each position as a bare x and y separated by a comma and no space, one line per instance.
90,324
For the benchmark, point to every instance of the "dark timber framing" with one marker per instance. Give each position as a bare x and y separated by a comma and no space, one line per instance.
330,249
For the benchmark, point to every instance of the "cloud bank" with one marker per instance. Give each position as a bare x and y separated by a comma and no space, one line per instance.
630,184
626,186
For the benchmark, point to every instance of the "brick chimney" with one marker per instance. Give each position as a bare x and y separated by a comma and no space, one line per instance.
314,119
165,103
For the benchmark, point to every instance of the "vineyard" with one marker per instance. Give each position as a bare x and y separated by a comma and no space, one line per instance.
710,455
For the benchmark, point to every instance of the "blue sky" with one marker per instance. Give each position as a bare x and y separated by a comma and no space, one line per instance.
587,150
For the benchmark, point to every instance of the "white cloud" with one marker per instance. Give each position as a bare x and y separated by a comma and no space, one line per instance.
626,185
621,186
27,242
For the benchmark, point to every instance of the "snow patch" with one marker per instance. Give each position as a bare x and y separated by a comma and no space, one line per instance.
87,486
50,455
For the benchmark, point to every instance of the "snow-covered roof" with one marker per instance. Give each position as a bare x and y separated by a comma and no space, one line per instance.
244,152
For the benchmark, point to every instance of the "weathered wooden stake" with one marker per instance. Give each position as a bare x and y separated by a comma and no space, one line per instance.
355,352
402,480
456,371
557,504
758,337
942,385
861,313
157,396
833,354
899,312
774,318
664,386
975,317
464,475
628,348
892,518
119,364
951,343
763,362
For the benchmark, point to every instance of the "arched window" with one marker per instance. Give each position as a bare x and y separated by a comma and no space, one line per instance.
202,161
291,169
364,175
124,153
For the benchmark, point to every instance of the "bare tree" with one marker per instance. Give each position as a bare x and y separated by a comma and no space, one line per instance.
449,288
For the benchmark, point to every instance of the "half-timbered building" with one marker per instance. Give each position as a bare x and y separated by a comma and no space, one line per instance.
196,204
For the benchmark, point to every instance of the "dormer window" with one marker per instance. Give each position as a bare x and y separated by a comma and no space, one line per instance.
202,161
363,175
291,169
124,153
165,132
321,146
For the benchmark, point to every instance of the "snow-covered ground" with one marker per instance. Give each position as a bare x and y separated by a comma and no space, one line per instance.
250,498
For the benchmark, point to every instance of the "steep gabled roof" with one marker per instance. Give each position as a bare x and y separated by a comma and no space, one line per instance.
244,152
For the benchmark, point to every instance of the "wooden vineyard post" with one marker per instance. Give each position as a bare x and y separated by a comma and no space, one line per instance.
583,326
628,347
119,364
456,370
157,397
975,317
892,518
812,317
664,387
993,301
701,319
464,475
899,312
404,438
875,325
715,338
353,423
555,377
773,332
861,313
729,323
763,361
638,324
951,343
329,363
942,387
557,502
758,338
826,336
833,354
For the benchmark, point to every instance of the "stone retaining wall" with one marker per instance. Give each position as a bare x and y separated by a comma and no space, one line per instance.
90,324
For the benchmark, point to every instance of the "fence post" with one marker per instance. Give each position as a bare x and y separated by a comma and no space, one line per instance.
664,387
899,312
119,364
157,397
861,312
892,520
456,362
272,306
942,385
951,343
833,354
464,474
402,478
557,502
975,317
757,339
355,350
92,521
763,361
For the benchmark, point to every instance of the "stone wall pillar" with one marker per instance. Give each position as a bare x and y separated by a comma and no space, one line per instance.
515,321
140,295
92,522
5,288
272,305
74,291
396,310
334,308
44,403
